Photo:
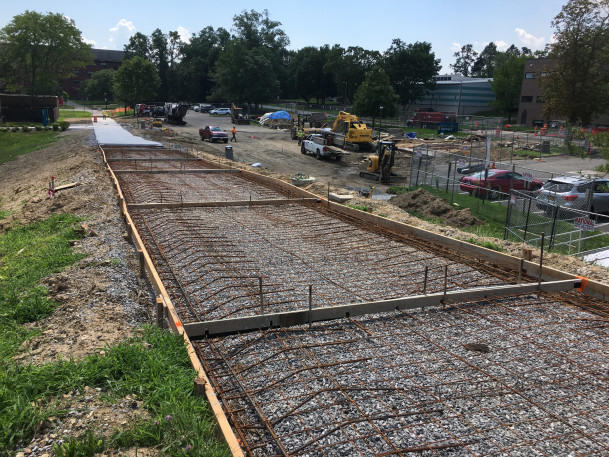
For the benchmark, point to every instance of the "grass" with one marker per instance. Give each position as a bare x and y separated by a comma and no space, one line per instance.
361,208
154,366
72,113
15,144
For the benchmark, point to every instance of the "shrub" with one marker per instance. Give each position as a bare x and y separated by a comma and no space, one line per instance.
64,125
38,128
25,129
15,129
55,126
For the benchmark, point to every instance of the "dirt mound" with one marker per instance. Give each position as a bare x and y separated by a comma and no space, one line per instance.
425,204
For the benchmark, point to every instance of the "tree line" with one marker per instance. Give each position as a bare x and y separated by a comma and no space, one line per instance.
252,64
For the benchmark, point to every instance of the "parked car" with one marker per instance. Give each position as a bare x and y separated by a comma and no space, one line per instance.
220,111
497,182
213,133
570,192
206,108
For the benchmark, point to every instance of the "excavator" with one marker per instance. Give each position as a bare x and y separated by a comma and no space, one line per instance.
351,133
380,165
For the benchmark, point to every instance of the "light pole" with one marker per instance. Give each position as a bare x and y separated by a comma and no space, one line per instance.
380,121
106,100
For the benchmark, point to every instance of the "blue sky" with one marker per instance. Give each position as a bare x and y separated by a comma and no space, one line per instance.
446,24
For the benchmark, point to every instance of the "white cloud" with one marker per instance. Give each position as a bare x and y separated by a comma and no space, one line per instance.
91,42
530,40
121,32
456,47
502,45
184,34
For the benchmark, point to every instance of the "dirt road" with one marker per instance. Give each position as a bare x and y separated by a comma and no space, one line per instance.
275,150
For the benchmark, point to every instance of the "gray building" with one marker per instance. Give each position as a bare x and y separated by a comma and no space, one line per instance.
458,94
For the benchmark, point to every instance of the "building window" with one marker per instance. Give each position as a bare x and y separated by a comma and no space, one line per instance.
544,73
539,99
102,64
76,81
529,75
75,72
90,73
527,99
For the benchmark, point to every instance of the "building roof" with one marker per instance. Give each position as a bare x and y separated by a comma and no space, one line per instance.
108,55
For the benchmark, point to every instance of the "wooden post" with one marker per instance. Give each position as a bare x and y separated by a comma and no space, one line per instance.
159,312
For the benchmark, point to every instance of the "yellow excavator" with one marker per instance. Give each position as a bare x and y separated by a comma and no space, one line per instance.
380,165
351,132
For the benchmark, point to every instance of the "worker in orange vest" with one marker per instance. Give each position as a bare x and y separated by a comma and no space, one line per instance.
234,138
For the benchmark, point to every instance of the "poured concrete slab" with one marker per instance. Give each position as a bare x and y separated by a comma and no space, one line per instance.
109,132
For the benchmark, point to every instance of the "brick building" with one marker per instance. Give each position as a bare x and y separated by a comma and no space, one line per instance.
103,59
531,97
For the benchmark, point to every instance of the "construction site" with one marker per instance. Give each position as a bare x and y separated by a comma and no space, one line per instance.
317,329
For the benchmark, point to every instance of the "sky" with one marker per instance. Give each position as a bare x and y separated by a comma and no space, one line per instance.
446,24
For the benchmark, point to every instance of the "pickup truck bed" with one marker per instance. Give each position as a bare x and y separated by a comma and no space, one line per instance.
317,145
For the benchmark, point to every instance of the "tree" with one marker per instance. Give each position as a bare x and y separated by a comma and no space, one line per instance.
159,56
136,80
487,62
139,45
465,60
577,84
99,86
246,75
349,66
374,92
38,49
196,67
411,69
507,83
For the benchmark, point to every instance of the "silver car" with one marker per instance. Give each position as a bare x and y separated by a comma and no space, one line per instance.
571,192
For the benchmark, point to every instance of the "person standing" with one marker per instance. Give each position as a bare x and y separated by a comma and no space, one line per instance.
234,138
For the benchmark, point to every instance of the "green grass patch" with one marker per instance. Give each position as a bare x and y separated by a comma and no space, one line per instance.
397,190
485,244
361,208
15,144
28,254
73,113
153,366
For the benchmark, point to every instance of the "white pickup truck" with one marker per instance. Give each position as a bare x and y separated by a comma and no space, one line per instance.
318,145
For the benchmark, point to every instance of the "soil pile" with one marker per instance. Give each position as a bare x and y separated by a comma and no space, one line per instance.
425,204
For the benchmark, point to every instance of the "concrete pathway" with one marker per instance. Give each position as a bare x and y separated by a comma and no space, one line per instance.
109,132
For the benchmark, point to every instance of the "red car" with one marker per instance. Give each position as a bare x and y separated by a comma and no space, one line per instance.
213,133
497,182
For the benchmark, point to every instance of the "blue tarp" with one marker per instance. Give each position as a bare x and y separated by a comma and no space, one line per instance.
279,115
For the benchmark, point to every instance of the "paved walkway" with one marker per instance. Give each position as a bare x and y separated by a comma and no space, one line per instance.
109,132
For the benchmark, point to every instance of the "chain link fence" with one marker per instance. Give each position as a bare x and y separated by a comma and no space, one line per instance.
566,230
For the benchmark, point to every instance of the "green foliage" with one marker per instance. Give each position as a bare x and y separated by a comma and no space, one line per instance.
15,144
55,126
36,47
507,83
361,208
375,91
411,69
25,129
486,244
397,190
577,84
63,125
136,80
465,59
100,86
153,366
29,254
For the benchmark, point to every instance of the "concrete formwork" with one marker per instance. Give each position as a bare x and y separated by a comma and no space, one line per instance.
517,375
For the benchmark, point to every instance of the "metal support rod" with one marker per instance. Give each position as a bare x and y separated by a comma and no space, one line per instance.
261,296
543,236
310,303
